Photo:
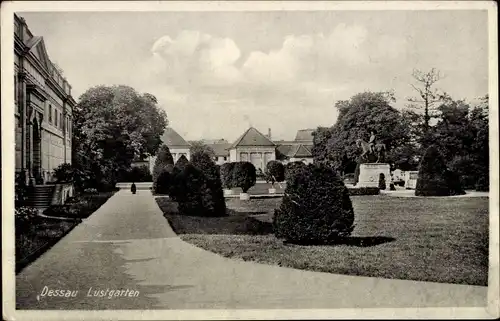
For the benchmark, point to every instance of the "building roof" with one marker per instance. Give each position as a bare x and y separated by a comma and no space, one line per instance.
304,135
299,151
220,149
252,137
294,150
172,139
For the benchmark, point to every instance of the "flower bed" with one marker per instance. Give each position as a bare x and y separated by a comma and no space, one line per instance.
35,234
80,206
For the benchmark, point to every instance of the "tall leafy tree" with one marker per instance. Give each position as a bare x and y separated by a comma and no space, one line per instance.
357,117
113,125
461,135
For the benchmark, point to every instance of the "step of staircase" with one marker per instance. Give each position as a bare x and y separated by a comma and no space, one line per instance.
40,196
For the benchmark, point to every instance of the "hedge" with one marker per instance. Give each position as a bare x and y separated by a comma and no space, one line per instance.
358,191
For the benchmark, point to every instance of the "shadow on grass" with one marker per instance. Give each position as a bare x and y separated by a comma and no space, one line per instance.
357,241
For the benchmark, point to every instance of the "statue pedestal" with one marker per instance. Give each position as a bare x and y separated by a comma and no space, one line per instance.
369,174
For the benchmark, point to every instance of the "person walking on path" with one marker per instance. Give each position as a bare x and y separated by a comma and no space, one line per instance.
133,188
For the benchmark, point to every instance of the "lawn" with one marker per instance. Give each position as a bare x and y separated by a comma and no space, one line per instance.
426,239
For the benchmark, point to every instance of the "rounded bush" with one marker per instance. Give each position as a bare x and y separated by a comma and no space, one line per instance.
210,186
226,173
275,171
163,162
316,208
188,191
292,168
163,183
244,175
434,179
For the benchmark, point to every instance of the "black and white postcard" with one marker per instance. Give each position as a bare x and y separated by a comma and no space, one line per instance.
249,160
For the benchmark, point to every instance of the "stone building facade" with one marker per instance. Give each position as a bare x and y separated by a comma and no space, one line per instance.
43,109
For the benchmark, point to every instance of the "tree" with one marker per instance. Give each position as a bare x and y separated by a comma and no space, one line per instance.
428,97
244,175
201,147
275,171
112,126
364,112
461,135
316,208
480,148
164,162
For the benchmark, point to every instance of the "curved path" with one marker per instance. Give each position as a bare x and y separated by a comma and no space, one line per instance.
128,244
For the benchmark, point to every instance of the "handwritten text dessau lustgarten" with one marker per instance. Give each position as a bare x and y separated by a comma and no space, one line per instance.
92,292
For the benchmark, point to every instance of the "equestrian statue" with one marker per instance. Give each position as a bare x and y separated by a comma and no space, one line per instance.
371,149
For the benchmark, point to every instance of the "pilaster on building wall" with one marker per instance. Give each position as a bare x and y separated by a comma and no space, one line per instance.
43,108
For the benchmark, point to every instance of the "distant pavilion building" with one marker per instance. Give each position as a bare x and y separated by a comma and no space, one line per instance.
177,145
252,146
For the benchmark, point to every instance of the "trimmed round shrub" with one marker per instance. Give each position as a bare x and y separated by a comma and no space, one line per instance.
381,181
188,191
226,173
454,183
163,183
244,175
292,168
316,208
163,162
212,195
275,171
182,162
434,179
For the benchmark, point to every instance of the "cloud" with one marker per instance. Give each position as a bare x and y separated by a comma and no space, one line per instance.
292,87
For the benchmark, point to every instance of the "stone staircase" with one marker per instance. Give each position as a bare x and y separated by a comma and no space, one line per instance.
41,196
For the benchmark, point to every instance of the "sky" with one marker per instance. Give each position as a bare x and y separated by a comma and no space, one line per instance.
217,73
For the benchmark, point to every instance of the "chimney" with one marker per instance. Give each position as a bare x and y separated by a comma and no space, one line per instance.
269,133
